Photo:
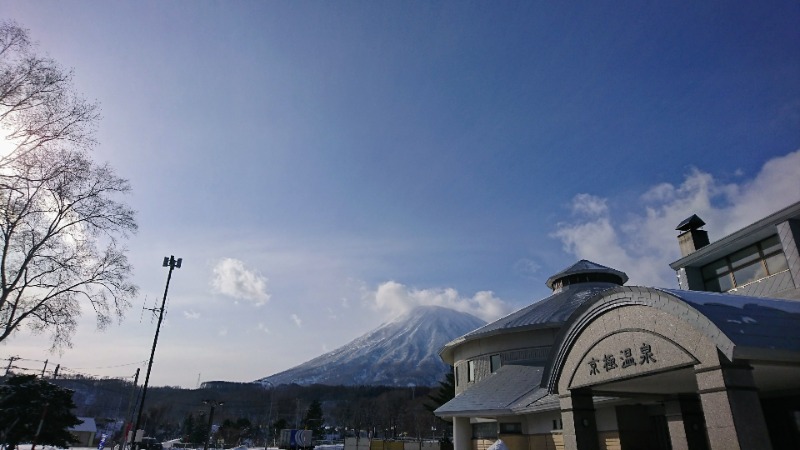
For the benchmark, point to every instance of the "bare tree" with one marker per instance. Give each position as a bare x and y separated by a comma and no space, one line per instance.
60,220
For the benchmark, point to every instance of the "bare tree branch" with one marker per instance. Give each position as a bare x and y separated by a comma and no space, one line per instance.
61,221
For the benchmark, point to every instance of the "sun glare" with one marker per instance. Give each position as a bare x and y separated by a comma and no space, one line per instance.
6,145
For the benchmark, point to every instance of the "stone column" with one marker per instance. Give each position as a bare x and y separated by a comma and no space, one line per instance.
580,425
677,429
684,416
462,433
732,410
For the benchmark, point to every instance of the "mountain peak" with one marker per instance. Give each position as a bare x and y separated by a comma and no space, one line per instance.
397,353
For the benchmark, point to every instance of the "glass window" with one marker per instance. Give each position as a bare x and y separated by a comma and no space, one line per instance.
719,284
744,256
486,430
456,375
495,363
777,263
511,428
750,273
715,269
470,370
771,245
745,266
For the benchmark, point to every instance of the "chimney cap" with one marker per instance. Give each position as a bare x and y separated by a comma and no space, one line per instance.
692,223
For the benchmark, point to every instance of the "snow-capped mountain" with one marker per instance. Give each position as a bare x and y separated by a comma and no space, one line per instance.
402,352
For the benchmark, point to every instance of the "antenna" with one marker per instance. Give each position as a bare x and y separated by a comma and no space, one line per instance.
155,310
141,314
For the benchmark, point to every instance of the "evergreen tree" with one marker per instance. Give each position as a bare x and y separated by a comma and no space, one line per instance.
280,424
188,428
314,420
199,431
445,393
25,402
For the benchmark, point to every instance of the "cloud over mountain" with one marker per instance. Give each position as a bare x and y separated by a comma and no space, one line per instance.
396,299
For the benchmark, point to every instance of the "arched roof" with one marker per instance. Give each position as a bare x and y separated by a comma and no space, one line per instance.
740,327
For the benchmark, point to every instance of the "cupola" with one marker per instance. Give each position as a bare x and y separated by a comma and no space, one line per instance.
585,271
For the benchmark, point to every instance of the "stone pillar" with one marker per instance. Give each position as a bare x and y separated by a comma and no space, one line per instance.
684,416
789,234
732,410
677,429
580,425
462,433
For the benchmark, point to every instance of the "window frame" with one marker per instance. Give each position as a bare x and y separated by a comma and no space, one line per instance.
492,366
510,428
723,278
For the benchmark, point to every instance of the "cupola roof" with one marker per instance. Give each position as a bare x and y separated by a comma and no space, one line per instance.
585,271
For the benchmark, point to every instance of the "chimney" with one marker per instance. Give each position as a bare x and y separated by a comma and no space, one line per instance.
692,237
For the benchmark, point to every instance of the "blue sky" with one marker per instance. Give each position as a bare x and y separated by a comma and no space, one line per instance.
324,166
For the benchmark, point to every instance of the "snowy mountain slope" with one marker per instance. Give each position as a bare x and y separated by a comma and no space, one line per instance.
397,353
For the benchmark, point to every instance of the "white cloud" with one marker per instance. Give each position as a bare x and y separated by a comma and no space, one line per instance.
233,279
394,299
297,320
643,241
527,268
191,315
589,205
263,328
332,314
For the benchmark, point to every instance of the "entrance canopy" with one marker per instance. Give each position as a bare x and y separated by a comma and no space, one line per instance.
646,340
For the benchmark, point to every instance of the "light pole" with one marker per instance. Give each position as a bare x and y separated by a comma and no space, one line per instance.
213,404
172,263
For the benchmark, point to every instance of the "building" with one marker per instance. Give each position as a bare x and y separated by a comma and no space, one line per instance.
759,260
599,365
84,432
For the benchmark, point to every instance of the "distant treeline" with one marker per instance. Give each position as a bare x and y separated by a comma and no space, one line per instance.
384,410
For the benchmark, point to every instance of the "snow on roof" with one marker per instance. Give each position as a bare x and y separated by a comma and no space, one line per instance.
494,394
749,322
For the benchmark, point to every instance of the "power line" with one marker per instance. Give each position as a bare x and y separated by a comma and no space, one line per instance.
70,370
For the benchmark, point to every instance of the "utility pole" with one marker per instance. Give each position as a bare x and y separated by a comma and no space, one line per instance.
213,404
172,263
55,372
131,410
11,360
45,367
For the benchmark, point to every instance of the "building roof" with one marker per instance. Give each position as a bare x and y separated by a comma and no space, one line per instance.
584,267
552,311
744,328
87,425
495,394
755,326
